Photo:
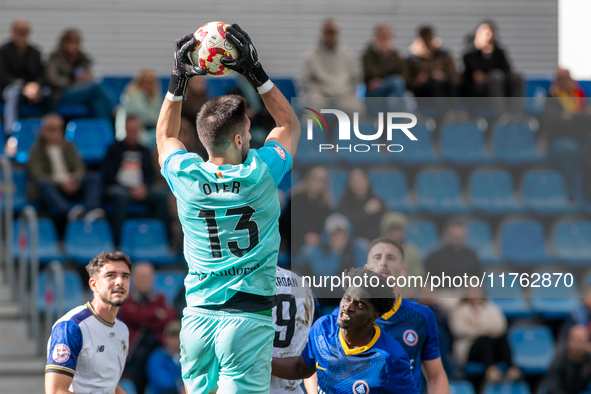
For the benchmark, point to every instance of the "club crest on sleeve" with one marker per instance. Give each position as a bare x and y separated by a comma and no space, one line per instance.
410,337
124,347
61,353
360,387
280,151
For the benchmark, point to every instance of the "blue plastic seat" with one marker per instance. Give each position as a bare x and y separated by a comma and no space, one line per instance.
545,192
169,283
419,152
286,86
491,192
515,144
19,177
424,235
464,144
84,240
392,187
572,241
73,291
439,192
506,388
115,85
532,348
146,239
509,295
219,86
92,137
461,387
559,299
25,133
361,152
308,152
523,243
128,386
337,183
49,248
480,240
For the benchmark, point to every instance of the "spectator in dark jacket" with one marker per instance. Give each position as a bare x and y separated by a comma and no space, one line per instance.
164,368
128,176
21,74
570,372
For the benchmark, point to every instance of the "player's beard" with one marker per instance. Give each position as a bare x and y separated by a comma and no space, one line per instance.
244,152
105,298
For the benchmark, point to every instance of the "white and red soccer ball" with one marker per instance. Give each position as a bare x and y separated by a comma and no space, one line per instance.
211,46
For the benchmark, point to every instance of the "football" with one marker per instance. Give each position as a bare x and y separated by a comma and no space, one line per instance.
211,46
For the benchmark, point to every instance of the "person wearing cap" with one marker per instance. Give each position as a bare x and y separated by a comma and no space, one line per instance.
164,364
393,225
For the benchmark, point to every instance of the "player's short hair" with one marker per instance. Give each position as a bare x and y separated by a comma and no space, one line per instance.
219,120
100,260
386,240
381,296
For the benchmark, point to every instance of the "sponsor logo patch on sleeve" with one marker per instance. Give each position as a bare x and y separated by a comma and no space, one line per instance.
280,151
61,353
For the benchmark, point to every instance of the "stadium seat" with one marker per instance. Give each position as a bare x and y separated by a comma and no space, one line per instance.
420,152
491,192
532,348
92,137
19,177
559,299
128,386
424,235
506,388
480,240
146,239
523,243
49,248
392,187
115,85
461,387
308,150
73,291
571,241
545,192
169,283
164,82
286,86
219,86
25,133
361,152
439,192
84,240
464,143
337,183
508,295
515,144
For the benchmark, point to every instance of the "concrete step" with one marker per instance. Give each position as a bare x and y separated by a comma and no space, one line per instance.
13,328
18,347
5,293
26,366
9,310
22,384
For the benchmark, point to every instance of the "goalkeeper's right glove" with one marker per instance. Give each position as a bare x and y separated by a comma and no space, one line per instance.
183,69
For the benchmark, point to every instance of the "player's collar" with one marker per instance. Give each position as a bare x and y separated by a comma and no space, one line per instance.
362,348
91,309
391,313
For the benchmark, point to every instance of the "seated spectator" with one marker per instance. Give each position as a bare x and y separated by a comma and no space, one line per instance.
479,328
57,176
393,226
570,372
454,259
487,72
22,77
189,138
163,368
146,314
196,97
384,70
143,98
128,176
68,73
431,69
582,314
363,209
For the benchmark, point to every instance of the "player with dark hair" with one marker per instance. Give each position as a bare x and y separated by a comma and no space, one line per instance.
229,211
88,345
349,351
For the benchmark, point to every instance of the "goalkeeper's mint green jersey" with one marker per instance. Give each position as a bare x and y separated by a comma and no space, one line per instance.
229,216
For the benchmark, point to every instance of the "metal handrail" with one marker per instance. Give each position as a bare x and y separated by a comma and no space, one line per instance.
8,191
55,309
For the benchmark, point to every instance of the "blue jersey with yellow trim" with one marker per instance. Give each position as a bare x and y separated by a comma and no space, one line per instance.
382,366
229,216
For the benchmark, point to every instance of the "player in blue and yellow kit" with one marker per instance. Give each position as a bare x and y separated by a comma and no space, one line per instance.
349,352
229,210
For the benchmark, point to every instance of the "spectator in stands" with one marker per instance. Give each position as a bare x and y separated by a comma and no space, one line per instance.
570,372
164,368
188,136
432,72
331,71
384,70
57,175
128,176
68,73
363,209
582,313
196,97
146,314
487,72
143,99
455,259
393,226
22,77
480,335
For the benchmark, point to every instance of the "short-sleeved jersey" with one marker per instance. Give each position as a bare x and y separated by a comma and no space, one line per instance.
381,366
229,216
293,316
413,326
88,348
